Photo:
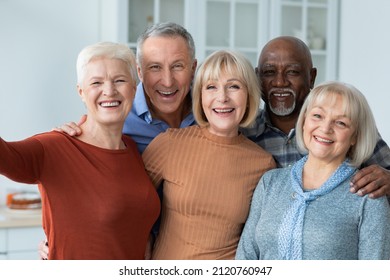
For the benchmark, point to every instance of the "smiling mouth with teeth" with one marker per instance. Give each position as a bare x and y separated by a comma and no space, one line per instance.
319,139
110,104
167,93
284,94
224,110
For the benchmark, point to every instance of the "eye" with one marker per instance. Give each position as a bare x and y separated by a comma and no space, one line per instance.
154,67
234,86
316,116
293,72
268,72
95,83
120,81
341,124
210,87
178,67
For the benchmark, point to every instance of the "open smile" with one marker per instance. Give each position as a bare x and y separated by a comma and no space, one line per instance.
110,104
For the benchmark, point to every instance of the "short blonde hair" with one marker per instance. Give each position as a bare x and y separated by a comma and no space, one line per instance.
356,108
106,50
234,64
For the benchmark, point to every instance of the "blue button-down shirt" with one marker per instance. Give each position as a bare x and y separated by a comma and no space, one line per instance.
140,124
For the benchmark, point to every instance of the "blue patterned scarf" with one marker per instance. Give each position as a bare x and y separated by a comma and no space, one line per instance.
290,232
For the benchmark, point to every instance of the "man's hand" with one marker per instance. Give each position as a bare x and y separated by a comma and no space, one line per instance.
373,180
149,247
43,250
72,128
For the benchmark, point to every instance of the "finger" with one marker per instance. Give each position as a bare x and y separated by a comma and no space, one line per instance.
363,173
82,120
357,185
43,250
70,128
371,187
377,193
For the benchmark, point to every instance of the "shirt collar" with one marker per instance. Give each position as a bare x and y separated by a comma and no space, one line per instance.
140,106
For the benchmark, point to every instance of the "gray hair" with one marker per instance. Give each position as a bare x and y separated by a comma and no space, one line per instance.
106,50
165,29
356,109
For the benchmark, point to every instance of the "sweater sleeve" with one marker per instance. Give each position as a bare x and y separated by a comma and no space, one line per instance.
374,231
155,157
21,161
247,247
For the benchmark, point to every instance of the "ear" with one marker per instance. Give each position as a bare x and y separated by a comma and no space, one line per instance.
139,72
313,75
81,93
353,141
193,68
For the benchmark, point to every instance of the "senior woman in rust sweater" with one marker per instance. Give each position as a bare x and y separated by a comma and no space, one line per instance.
94,187
209,170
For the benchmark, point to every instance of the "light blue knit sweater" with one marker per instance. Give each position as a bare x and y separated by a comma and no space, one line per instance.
338,225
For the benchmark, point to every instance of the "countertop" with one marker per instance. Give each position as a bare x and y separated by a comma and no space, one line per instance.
16,218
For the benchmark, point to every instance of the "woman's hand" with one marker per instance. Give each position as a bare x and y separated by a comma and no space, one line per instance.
71,128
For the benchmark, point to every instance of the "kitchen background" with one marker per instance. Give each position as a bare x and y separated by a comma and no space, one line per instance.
40,39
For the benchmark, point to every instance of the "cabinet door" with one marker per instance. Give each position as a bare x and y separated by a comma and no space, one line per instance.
27,255
238,25
142,13
315,23
24,239
3,241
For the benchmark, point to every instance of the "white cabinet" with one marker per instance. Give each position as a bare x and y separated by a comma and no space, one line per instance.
244,25
20,234
20,243
316,23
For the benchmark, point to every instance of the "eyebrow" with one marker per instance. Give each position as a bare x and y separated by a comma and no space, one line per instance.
337,116
274,64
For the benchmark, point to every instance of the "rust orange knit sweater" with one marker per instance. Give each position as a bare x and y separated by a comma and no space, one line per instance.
208,185
97,203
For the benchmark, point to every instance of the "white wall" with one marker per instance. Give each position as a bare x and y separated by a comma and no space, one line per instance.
39,43
365,54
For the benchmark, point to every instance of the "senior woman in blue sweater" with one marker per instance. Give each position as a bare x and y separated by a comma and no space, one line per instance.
307,211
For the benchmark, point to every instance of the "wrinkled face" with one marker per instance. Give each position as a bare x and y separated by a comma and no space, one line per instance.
107,90
224,104
286,77
328,133
166,72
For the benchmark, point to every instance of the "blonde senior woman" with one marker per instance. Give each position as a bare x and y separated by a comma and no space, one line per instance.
94,188
307,211
209,170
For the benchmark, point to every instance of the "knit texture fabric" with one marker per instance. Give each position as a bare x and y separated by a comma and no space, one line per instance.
290,233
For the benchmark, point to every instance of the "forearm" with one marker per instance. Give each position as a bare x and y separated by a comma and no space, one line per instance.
20,160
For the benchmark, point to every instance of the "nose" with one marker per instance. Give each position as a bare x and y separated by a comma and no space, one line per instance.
167,78
222,96
327,126
279,80
109,89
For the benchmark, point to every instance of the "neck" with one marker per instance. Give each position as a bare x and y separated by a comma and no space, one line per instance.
284,123
316,173
175,118
106,137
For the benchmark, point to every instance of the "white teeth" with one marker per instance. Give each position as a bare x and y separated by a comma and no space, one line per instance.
223,110
166,92
282,94
323,140
110,104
